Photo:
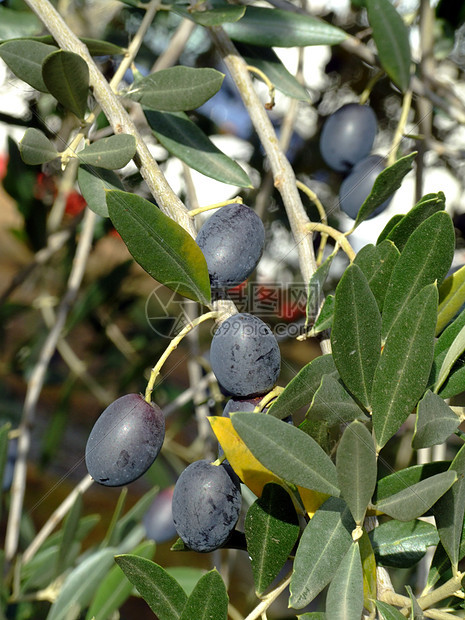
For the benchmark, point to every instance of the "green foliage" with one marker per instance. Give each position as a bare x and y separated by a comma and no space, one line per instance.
392,40
278,28
164,249
271,530
183,138
66,76
329,491
176,89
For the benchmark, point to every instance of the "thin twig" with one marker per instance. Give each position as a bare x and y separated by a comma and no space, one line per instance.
283,174
269,598
55,518
36,382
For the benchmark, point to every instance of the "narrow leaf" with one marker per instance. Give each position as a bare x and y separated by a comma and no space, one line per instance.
453,384
425,259
402,544
344,600
18,23
404,367
301,389
400,480
435,422
324,542
369,572
356,333
388,612
315,290
212,17
386,183
427,206
66,76
176,89
450,510
271,530
80,585
25,58
325,318
109,153
356,469
265,59
70,531
414,501
333,404
115,588
392,40
279,28
451,297
93,183
182,138
377,263
395,219
160,245
209,599
160,591
455,351
287,451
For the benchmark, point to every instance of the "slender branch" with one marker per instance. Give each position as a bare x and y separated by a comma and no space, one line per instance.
269,599
117,116
283,174
339,237
400,129
55,518
171,347
36,382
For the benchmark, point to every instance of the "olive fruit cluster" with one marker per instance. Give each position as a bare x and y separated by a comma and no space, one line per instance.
124,441
346,141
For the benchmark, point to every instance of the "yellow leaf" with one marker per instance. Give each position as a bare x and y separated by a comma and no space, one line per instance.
451,298
312,500
247,467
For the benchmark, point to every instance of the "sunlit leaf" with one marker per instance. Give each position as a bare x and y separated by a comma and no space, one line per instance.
451,297
160,591
208,600
182,138
427,206
425,259
356,466
386,183
415,500
344,600
265,59
404,367
160,245
324,542
356,333
115,588
435,421
287,451
402,544
301,389
377,263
